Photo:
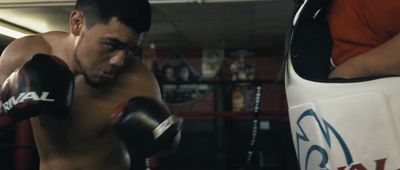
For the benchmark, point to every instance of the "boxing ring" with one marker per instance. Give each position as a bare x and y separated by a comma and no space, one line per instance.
336,123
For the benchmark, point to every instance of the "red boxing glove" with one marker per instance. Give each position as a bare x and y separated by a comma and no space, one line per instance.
42,85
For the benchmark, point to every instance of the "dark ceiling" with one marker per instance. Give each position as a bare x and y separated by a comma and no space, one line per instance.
253,24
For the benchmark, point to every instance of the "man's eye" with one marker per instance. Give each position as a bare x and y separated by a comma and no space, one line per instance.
110,47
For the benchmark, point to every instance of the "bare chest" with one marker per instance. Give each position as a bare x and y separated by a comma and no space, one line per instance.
92,108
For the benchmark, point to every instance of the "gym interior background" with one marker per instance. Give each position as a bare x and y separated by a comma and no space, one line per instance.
226,47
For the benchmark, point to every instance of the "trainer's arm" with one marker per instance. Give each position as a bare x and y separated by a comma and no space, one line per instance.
18,52
380,61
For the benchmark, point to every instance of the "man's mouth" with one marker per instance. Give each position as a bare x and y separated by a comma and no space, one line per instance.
108,75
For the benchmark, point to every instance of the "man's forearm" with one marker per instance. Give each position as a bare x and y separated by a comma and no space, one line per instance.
380,61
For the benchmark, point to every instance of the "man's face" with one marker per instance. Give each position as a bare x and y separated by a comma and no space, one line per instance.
103,49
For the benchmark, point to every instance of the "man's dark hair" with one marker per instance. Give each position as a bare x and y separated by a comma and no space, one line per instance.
136,14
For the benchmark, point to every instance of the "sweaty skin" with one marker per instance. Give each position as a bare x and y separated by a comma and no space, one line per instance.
84,139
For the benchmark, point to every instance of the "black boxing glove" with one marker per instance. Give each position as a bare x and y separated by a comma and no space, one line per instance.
42,85
146,127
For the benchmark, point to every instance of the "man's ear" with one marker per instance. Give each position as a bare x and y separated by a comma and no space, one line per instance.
76,22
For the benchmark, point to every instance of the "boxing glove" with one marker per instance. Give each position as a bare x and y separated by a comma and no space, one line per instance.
146,127
44,84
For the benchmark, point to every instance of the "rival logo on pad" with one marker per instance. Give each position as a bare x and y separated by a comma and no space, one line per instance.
22,97
328,133
320,153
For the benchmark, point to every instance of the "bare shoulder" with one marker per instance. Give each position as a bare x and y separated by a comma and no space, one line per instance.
141,80
27,45
19,51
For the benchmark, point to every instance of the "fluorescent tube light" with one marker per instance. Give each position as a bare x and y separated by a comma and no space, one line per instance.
11,33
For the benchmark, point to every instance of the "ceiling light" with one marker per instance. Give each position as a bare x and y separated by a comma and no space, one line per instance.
11,33
12,30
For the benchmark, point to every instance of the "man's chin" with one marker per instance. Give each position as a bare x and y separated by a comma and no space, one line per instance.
97,83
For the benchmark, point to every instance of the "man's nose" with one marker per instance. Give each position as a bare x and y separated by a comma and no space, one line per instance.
118,59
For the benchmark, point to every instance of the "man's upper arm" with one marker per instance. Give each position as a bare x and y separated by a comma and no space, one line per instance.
18,52
142,82
152,88
149,85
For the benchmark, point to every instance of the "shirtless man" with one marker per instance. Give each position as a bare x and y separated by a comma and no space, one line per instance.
96,56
